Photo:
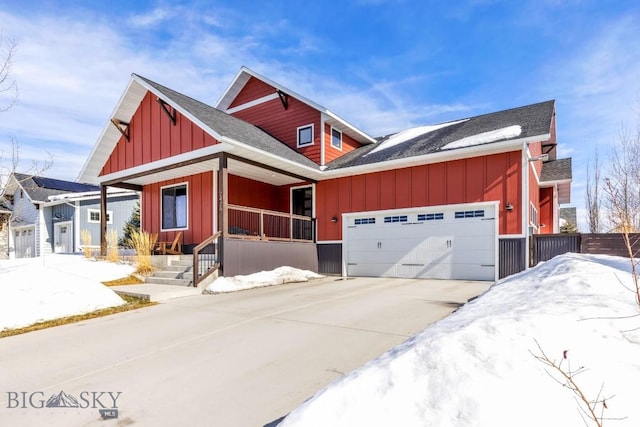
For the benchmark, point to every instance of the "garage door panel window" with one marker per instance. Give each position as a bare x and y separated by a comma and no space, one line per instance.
363,221
469,214
431,216
397,218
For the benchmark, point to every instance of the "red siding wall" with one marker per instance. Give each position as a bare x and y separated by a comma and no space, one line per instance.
332,153
534,193
546,210
282,124
253,89
154,137
247,192
488,178
200,205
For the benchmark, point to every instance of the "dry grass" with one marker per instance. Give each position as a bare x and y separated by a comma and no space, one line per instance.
129,280
85,238
141,242
133,303
112,246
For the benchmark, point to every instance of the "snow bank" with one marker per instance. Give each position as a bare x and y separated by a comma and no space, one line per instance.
476,368
38,289
278,276
409,134
485,137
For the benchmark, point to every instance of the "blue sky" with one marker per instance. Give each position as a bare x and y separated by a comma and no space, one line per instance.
384,65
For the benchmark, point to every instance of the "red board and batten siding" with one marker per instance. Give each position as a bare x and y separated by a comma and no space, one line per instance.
546,210
200,206
487,178
282,124
331,152
153,137
252,90
255,194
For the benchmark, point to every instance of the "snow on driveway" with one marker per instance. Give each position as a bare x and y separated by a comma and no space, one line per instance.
45,288
477,366
279,276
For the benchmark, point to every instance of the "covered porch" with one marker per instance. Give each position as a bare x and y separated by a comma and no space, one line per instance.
234,214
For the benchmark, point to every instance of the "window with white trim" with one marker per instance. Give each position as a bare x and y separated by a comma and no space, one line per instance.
533,215
336,138
93,216
174,209
305,135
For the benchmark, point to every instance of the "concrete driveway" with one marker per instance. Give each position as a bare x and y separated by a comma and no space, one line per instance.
242,359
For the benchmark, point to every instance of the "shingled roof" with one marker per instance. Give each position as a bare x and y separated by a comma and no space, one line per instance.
516,123
39,188
556,170
231,127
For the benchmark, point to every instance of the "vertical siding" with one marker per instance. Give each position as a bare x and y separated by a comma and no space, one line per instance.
154,137
247,192
332,153
546,210
61,213
330,258
121,209
496,177
282,124
200,206
512,255
253,89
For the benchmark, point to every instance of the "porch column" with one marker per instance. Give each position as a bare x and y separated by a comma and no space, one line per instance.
223,203
103,220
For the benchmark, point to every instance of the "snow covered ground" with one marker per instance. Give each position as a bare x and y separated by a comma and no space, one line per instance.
278,276
45,288
477,366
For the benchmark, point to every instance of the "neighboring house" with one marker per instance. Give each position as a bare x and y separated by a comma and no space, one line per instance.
568,216
5,215
288,182
48,215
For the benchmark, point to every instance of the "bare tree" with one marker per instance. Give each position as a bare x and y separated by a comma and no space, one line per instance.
8,85
592,197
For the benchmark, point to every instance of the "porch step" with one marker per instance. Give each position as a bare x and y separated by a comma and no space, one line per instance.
178,272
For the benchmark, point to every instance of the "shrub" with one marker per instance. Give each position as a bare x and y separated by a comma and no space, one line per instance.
85,238
112,246
141,242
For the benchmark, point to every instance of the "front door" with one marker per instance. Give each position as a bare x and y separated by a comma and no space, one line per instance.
63,238
302,204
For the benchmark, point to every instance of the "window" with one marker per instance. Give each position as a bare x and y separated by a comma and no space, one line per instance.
174,207
94,216
533,215
336,138
305,135
470,214
398,218
361,221
431,216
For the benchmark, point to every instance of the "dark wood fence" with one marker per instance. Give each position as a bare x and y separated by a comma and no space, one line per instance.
546,246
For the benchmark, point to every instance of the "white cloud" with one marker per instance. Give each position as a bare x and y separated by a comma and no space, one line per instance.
151,18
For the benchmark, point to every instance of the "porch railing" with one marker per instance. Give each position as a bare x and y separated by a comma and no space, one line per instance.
205,259
260,224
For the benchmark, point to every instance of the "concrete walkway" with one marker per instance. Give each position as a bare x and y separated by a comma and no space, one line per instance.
242,359
151,292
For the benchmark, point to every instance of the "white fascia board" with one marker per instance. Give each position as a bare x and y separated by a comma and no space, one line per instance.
169,161
252,103
348,125
545,184
442,156
240,74
88,195
315,173
101,138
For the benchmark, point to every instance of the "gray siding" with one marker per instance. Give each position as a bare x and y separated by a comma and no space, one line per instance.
330,258
121,209
512,256
60,213
251,256
45,232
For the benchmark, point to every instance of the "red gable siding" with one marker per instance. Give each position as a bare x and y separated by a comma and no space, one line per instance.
247,192
332,153
200,205
487,178
252,90
283,124
154,137
546,210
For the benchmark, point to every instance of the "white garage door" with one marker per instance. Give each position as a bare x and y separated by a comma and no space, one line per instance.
24,241
456,242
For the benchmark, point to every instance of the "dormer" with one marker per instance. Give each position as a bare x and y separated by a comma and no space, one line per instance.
298,122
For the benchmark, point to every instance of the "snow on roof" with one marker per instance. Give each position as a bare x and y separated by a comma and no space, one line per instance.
477,367
485,137
409,134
